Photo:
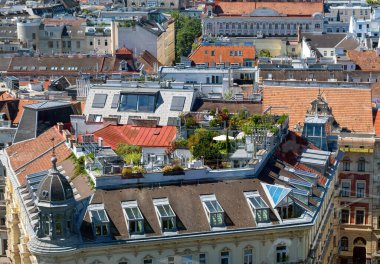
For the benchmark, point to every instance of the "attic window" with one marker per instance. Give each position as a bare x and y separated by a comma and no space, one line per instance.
259,207
166,215
99,100
134,217
178,102
100,222
45,193
215,212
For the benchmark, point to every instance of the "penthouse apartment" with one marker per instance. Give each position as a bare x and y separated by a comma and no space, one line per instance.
275,209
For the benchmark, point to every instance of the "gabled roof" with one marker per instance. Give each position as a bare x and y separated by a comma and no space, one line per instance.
222,54
284,8
329,40
34,155
159,136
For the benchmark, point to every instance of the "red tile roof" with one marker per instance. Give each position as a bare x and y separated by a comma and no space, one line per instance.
21,105
376,122
222,54
160,136
352,108
365,60
6,96
34,155
284,8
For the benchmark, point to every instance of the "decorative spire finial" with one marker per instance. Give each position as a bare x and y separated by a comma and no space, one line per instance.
53,157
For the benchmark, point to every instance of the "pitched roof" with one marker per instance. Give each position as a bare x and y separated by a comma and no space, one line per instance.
34,155
352,108
365,60
222,54
324,40
284,8
376,121
159,136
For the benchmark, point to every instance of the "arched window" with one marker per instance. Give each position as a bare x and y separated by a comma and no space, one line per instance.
248,255
361,164
123,261
344,244
225,256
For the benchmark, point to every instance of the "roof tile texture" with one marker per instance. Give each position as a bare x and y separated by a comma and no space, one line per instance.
34,155
365,60
222,54
139,136
288,8
351,108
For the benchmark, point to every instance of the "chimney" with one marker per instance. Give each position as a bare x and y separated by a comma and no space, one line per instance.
110,121
60,127
100,142
299,37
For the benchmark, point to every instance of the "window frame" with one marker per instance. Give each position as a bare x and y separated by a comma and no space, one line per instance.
123,103
137,221
362,193
341,244
348,216
213,215
103,226
165,220
356,216
226,257
248,255
344,192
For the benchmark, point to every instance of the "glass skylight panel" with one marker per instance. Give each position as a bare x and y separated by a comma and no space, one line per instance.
99,216
257,202
165,210
277,193
133,213
301,183
213,206
305,173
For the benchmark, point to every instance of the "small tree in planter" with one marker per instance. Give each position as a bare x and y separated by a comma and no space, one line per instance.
173,170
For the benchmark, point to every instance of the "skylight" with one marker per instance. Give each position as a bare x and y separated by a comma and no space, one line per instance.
276,193
99,220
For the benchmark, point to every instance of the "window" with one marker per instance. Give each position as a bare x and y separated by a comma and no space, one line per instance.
259,207
345,216
317,26
332,53
187,259
46,224
98,42
105,43
69,44
78,44
359,217
91,43
33,35
148,260
281,254
344,244
378,244
58,225
137,102
248,256
99,100
178,102
360,189
166,215
134,217
214,211
50,44
94,118
325,53
170,260
100,221
213,53
346,188
225,257
202,258
346,164
361,164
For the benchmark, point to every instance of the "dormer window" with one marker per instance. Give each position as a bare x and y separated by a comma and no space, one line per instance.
100,221
134,217
215,212
259,207
123,66
166,215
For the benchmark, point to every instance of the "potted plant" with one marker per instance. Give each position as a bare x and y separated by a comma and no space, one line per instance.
173,170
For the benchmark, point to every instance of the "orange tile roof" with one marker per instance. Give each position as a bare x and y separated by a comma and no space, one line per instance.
6,96
160,136
352,108
222,54
376,121
285,8
21,105
365,60
34,155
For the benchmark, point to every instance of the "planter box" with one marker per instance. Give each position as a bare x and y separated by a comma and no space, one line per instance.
174,173
137,175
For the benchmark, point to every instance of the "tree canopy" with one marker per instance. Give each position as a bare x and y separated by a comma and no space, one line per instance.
187,29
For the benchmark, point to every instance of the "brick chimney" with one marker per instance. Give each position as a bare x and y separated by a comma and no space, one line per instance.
60,127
